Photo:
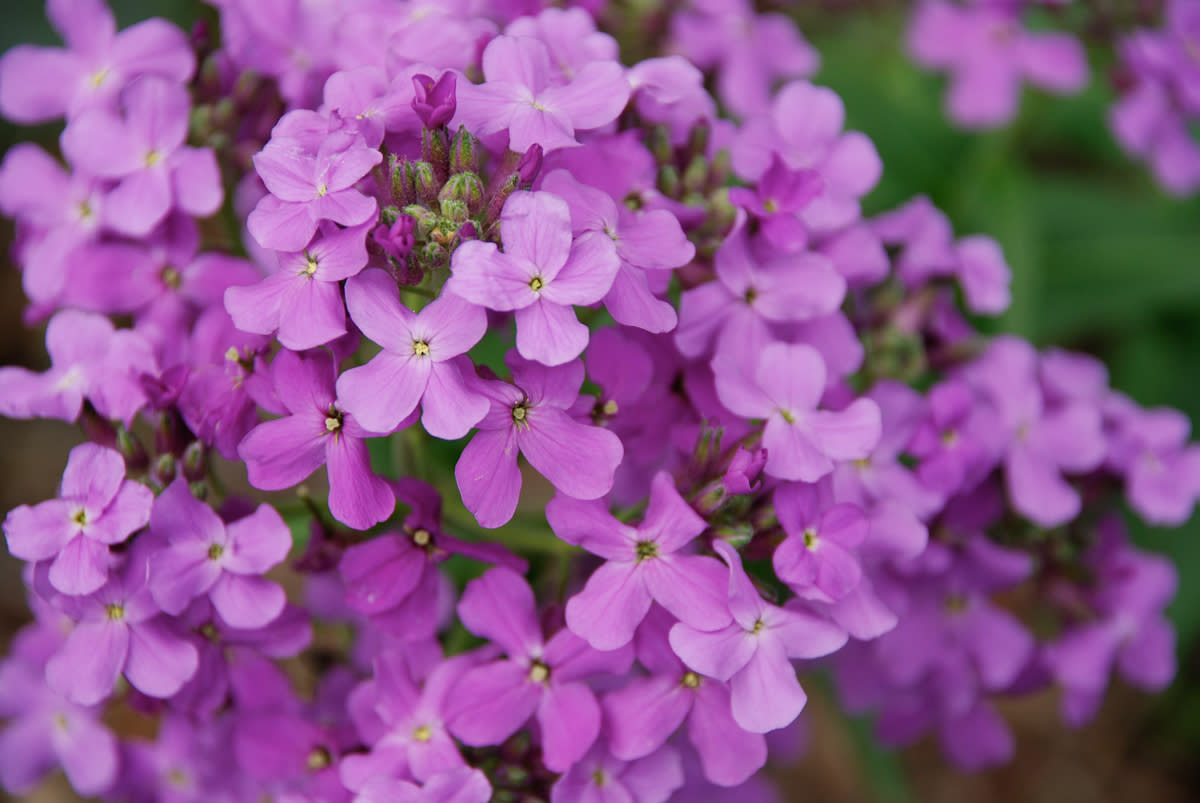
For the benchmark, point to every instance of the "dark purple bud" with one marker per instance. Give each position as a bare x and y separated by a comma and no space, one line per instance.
434,102
195,462
530,165
397,240
467,231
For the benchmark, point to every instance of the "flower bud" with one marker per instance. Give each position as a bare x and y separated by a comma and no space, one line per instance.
195,462
464,152
434,101
466,188
423,181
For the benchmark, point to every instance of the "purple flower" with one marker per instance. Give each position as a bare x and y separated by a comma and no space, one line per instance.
45,730
603,778
302,299
988,53
419,363
306,189
494,700
38,84
406,721
533,417
784,386
381,575
650,240
641,715
1044,441
521,95
752,653
283,452
96,507
817,559
204,556
781,193
747,51
89,360
462,785
145,152
804,128
363,99
1128,630
642,567
751,293
121,630
540,274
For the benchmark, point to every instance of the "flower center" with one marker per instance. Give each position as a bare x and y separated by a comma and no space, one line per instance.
810,538
536,283
423,733
539,672
310,264
333,421
115,612
80,517
318,759
599,777
520,412
420,348
421,537
610,407
215,552
322,189
955,604
788,416
690,680
172,278
646,550
751,295
950,438
759,624
153,158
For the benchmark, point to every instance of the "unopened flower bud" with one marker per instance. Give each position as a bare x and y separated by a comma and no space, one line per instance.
423,181
466,188
434,101
464,152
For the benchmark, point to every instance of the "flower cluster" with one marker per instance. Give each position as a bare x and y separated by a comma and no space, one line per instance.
988,51
478,249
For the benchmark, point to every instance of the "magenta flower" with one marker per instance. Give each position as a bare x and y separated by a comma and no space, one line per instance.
204,556
494,700
90,360
642,567
419,363
784,387
752,653
804,128
461,785
988,53
780,194
97,507
120,630
601,777
522,96
817,559
748,51
302,300
283,452
38,84
540,274
750,294
44,730
145,152
306,189
641,715
533,417
650,240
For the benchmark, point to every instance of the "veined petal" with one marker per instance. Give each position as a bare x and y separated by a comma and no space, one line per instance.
578,459
610,607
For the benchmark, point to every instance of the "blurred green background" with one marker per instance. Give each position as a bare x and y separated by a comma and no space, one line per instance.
1103,261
